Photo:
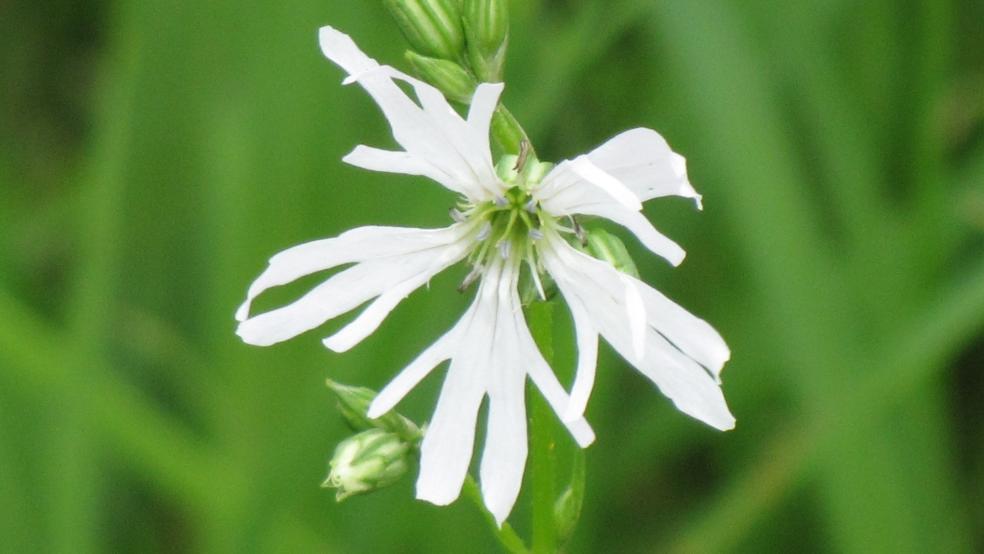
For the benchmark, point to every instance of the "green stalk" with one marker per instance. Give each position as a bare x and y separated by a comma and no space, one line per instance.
543,447
506,535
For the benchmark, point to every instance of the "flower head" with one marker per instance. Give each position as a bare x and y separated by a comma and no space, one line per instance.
368,461
508,216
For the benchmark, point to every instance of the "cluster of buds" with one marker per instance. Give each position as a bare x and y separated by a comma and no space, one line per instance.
378,455
456,44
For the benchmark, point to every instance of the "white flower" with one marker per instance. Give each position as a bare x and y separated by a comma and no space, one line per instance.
501,224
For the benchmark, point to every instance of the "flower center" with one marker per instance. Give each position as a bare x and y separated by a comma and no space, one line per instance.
508,226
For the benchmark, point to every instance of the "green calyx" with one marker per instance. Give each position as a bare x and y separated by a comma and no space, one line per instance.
353,404
486,26
432,27
605,246
368,461
451,79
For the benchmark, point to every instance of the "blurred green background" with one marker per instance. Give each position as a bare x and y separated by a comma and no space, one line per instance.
154,154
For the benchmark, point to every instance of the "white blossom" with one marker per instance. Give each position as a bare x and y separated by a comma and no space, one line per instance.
500,224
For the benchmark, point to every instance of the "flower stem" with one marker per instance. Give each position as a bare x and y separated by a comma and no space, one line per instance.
510,541
543,446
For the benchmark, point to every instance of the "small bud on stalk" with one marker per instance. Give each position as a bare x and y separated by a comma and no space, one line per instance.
608,247
567,508
507,132
486,25
432,27
353,403
366,462
449,77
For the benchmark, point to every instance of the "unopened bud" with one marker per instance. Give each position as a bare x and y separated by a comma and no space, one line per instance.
606,246
508,133
486,25
353,403
449,77
366,462
432,27
567,508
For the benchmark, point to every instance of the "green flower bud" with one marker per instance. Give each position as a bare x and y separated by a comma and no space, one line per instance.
486,25
449,77
567,508
353,403
606,246
506,131
432,27
366,462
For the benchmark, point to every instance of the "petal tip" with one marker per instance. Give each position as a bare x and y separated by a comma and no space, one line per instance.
500,518
242,313
376,410
326,36
250,338
335,345
427,493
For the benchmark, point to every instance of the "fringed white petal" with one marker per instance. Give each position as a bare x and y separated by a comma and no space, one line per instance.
491,352
398,261
370,319
468,139
360,244
672,366
414,373
483,105
613,180
638,225
643,161
546,381
504,454
581,187
635,313
446,450
611,186
375,159
689,333
587,360
691,388
438,142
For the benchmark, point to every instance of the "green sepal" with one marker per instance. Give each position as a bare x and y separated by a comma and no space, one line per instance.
353,404
567,508
507,132
606,246
432,27
486,26
450,78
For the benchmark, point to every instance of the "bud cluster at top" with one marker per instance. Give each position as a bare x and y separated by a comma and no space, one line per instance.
454,43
